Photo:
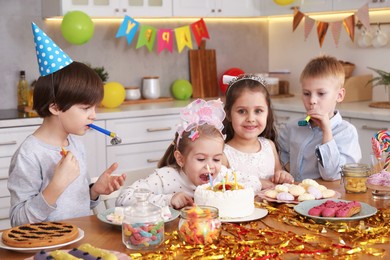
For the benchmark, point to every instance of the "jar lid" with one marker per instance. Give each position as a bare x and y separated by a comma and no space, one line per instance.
199,211
355,169
131,87
151,77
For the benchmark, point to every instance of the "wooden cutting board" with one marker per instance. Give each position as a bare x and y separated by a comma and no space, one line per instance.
203,72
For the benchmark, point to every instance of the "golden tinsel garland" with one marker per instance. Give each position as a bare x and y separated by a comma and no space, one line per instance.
248,241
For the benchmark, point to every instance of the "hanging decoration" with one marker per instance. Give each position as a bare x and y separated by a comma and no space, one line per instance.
361,14
148,35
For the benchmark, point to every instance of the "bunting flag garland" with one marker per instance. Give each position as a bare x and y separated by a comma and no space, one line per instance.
148,35
309,23
199,30
363,15
349,25
322,27
335,28
164,40
128,28
298,16
183,38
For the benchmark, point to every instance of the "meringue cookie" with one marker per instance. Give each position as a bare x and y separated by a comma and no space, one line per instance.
296,190
271,194
315,192
309,182
306,196
285,196
328,193
281,188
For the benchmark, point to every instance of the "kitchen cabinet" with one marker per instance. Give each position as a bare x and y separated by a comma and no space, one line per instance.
10,140
269,7
216,8
344,5
144,140
108,8
366,130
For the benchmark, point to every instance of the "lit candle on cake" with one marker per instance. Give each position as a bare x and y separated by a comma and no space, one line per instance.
210,177
235,180
223,185
227,177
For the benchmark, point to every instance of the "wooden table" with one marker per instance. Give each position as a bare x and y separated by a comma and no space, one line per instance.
108,236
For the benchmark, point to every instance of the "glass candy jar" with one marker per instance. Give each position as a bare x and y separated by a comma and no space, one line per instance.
199,225
354,177
143,224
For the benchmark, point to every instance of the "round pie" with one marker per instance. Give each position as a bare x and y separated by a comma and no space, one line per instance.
40,234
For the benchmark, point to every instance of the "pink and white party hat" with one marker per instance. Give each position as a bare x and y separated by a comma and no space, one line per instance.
50,57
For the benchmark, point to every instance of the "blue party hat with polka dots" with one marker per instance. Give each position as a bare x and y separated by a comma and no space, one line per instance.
50,57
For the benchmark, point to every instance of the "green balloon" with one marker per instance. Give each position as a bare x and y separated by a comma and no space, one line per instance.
77,27
181,89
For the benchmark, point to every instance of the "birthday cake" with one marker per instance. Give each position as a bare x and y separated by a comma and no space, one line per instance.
232,200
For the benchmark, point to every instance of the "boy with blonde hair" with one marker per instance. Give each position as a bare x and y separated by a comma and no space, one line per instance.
320,148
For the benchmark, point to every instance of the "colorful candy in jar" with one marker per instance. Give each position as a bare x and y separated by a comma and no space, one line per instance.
199,225
143,225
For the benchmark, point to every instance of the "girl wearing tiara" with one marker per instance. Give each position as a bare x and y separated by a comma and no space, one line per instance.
250,132
194,156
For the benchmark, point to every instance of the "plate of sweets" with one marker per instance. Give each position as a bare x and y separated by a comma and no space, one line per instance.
84,251
335,210
307,190
114,216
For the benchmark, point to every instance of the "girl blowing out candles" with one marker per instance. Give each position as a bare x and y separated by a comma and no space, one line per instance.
192,159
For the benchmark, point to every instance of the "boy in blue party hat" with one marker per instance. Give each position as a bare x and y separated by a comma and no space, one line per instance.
48,179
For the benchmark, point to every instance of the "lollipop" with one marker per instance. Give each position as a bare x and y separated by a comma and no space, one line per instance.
383,138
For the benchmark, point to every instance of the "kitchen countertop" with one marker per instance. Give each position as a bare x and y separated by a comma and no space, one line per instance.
361,110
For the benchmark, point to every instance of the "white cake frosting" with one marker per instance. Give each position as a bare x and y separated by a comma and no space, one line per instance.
230,203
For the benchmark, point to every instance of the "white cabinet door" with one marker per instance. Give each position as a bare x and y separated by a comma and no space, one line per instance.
107,8
269,7
95,149
366,130
215,8
136,156
144,129
344,5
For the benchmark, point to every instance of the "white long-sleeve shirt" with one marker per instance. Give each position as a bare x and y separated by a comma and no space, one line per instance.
32,168
298,145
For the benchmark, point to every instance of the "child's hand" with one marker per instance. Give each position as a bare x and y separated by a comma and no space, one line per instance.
66,171
107,183
266,184
282,177
180,200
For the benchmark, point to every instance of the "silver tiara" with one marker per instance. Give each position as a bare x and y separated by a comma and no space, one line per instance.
231,80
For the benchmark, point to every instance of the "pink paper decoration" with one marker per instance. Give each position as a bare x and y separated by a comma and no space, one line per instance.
309,23
335,28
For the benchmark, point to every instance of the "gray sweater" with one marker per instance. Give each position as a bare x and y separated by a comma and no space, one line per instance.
32,168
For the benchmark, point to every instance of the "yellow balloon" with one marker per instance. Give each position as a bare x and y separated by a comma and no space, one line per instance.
114,94
284,2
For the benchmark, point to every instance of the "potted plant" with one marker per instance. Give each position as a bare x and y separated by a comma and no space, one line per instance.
101,71
383,79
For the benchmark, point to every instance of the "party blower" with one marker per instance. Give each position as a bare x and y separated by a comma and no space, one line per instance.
115,139
304,122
